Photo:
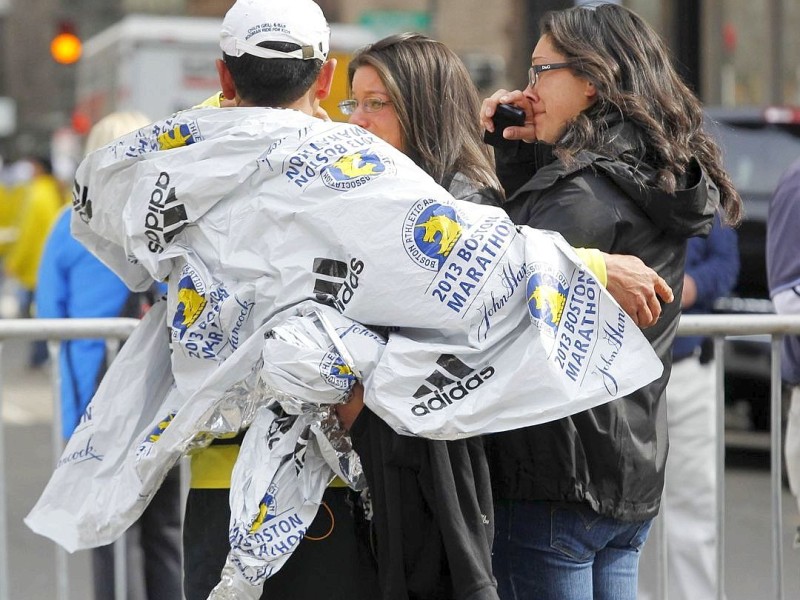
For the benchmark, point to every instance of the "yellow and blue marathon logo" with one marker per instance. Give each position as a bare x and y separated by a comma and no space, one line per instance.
336,372
353,170
180,135
144,449
267,509
190,305
156,432
430,232
547,296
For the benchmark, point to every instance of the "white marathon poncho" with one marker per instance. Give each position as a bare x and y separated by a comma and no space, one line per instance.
256,218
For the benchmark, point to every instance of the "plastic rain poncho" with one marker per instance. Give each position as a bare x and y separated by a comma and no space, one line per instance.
249,213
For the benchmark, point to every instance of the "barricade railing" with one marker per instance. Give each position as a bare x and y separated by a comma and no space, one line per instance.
55,330
716,326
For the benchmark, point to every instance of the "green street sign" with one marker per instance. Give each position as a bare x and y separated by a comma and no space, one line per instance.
387,22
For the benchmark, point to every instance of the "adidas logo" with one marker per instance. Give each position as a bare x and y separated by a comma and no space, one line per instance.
81,203
336,281
452,381
175,218
165,217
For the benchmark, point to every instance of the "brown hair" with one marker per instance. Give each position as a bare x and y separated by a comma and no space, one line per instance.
628,63
437,105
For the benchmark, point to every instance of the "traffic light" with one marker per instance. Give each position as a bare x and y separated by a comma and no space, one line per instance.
66,46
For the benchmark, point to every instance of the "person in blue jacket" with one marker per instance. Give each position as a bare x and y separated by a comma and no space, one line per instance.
75,284
72,283
690,486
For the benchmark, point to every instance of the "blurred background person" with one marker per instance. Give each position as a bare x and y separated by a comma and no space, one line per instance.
72,283
689,518
9,212
13,187
8,227
783,276
42,200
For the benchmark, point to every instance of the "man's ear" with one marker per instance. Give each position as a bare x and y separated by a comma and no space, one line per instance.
226,80
325,79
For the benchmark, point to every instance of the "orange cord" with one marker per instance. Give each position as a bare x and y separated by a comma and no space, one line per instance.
330,531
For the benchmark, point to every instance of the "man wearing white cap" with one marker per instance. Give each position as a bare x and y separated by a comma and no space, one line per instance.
333,561
296,34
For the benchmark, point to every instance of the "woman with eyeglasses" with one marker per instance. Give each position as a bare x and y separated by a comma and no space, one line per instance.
431,499
612,155
416,94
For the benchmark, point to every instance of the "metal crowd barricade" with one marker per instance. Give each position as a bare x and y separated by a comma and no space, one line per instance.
716,326
51,330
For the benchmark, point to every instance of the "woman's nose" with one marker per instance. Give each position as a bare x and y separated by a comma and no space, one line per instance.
358,118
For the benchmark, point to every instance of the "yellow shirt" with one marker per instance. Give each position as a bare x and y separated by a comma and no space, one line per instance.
11,200
211,467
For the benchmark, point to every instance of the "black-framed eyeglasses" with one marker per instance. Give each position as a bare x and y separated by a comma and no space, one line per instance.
370,105
533,72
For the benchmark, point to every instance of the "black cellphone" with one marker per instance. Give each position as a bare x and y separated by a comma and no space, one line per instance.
505,115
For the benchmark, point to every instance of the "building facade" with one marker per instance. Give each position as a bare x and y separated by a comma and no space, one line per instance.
734,52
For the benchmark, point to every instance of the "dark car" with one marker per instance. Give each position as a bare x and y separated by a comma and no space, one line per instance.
758,146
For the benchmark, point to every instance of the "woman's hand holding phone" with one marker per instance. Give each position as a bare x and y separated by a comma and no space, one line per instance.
500,123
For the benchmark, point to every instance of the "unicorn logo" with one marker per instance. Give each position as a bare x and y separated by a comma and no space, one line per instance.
178,136
190,305
336,372
340,369
430,232
357,165
547,297
549,303
155,434
267,509
354,170
443,230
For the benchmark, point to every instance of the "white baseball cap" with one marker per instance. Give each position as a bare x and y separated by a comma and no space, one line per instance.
251,22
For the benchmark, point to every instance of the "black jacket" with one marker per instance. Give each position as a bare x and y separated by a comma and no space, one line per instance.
432,518
611,456
432,500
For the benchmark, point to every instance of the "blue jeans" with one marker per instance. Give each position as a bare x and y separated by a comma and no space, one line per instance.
564,551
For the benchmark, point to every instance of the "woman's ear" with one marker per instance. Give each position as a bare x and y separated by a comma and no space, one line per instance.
591,91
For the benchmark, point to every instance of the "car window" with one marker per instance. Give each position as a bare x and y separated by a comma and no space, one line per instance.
756,157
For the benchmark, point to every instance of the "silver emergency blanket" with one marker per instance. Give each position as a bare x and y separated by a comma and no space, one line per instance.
251,213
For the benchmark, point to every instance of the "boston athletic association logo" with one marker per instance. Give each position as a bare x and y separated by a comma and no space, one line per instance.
547,291
354,170
430,232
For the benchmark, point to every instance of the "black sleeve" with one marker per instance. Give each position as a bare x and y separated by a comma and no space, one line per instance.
359,431
516,164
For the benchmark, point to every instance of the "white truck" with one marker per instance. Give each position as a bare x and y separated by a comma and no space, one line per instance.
161,64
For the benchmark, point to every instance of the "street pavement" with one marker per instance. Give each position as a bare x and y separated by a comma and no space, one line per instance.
27,409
